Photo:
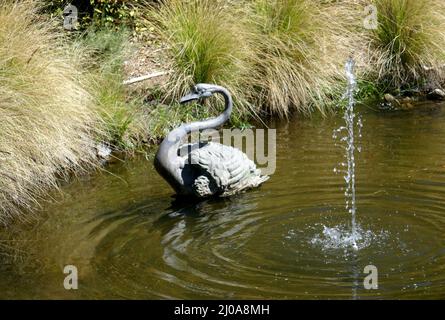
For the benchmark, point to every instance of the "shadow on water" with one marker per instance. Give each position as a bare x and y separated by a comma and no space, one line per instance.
179,208
129,238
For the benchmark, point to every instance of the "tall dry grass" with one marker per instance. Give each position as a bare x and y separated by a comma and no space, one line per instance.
408,45
48,124
279,56
207,42
299,58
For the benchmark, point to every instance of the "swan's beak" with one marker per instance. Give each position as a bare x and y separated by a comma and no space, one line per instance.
189,97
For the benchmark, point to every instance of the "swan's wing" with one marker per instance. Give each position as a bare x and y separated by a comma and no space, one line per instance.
226,169
187,148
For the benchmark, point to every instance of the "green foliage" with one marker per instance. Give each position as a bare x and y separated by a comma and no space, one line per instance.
99,13
107,50
369,90
115,12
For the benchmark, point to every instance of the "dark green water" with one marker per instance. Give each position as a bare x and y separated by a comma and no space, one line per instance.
129,239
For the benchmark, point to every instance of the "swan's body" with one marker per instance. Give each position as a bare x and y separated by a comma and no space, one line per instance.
205,169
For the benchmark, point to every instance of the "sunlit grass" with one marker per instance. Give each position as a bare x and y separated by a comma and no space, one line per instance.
299,60
274,56
48,125
207,44
409,42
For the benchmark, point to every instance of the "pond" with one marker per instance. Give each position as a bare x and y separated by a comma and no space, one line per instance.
128,238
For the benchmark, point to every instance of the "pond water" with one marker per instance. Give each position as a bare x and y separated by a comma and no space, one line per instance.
128,238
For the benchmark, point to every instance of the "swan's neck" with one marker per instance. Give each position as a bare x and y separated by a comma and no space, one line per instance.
167,161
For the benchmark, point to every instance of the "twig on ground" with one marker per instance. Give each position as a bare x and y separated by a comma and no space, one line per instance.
145,77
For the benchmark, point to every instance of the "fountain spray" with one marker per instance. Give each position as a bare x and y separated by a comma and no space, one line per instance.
350,148
349,117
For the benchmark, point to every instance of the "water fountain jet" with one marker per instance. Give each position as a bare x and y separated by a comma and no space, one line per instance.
349,117
337,236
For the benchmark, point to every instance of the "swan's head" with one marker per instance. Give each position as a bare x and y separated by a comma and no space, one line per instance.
200,91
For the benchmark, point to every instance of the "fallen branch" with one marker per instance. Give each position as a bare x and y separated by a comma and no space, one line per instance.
145,77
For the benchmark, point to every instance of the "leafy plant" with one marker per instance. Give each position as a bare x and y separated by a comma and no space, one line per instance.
99,13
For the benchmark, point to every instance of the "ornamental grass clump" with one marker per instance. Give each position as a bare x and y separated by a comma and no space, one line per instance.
408,44
206,42
48,126
298,56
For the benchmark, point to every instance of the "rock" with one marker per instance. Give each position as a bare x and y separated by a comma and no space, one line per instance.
399,103
406,106
103,151
389,97
436,94
406,100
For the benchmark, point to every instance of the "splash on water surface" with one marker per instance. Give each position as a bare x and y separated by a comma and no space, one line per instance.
353,237
342,237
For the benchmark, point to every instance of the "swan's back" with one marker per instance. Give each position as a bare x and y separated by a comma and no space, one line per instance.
221,170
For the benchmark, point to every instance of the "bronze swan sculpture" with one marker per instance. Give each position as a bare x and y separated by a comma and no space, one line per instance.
206,169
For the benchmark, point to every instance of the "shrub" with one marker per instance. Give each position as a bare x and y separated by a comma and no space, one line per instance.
99,13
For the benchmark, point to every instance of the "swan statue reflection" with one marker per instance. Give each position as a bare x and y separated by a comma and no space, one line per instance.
205,169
